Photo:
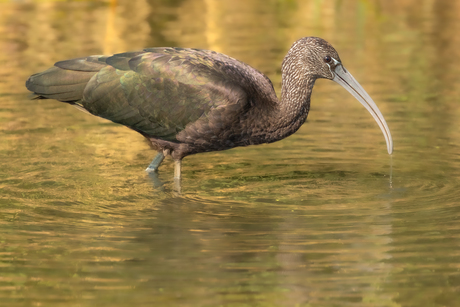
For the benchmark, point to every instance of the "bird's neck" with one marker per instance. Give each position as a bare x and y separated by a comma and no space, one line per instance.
276,119
294,105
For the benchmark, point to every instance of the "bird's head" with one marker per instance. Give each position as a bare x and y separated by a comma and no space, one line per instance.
311,58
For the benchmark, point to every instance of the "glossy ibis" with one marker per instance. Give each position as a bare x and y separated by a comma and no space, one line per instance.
188,101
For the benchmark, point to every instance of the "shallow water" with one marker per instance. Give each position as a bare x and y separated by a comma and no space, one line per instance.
323,218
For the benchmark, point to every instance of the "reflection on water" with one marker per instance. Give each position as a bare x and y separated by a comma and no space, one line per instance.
313,220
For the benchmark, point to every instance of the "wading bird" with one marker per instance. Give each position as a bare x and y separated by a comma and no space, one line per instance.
188,101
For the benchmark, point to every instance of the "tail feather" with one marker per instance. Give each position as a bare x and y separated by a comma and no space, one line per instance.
60,84
66,80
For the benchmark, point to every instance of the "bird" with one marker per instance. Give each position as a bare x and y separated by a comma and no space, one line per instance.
186,101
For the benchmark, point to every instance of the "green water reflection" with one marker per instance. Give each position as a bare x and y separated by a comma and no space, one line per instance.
312,220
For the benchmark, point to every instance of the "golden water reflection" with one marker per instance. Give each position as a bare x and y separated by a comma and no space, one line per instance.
310,220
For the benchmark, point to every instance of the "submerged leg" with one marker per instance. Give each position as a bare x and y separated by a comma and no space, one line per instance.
157,184
177,175
155,163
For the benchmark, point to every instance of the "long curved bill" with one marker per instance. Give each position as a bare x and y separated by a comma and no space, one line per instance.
345,79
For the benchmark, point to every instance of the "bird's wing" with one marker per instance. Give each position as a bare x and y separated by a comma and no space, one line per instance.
157,91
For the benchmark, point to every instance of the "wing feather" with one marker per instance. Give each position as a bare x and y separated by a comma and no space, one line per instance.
158,91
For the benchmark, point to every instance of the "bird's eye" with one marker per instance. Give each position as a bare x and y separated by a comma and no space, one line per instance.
327,59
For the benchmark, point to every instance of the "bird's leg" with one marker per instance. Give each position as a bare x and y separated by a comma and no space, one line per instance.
157,184
177,168
153,167
177,175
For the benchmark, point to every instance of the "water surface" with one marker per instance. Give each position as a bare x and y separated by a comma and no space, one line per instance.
312,220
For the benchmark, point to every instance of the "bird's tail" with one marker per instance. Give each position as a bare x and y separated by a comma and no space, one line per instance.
66,80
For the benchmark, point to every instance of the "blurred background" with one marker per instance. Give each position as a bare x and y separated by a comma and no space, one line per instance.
323,218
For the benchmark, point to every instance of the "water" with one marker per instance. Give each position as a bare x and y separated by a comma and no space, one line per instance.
313,220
